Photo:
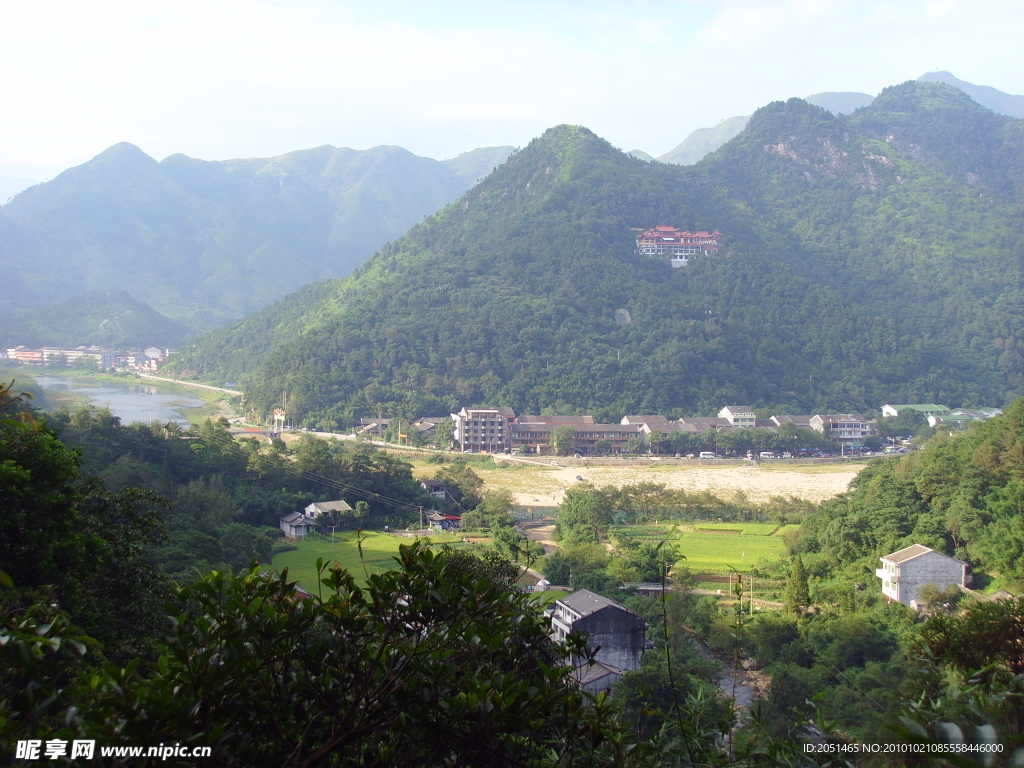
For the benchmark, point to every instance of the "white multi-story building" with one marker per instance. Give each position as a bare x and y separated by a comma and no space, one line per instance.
846,428
483,429
903,573
740,416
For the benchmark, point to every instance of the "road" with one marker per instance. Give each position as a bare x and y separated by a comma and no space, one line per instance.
190,384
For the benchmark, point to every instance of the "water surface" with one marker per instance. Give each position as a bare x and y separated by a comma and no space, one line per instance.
129,401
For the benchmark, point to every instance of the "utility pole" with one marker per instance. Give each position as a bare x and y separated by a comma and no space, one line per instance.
421,518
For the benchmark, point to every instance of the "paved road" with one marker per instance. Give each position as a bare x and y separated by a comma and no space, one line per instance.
189,384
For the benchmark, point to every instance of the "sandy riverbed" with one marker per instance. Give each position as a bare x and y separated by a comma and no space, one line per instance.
543,487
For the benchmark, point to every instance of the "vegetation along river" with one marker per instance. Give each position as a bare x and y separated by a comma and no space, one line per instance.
129,401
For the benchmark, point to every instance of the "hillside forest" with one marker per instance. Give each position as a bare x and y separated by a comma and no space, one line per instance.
867,258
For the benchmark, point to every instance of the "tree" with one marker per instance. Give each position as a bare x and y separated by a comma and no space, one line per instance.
562,440
444,433
343,681
632,446
798,596
66,536
462,482
603,447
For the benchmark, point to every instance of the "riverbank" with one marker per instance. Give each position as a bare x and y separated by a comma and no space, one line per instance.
131,397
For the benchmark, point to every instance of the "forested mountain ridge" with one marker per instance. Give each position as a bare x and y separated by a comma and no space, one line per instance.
855,270
104,318
217,240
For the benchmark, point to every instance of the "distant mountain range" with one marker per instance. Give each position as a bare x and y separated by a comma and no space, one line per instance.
703,141
12,185
866,257
213,241
104,318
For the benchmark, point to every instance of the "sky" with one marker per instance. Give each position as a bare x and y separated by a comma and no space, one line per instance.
219,79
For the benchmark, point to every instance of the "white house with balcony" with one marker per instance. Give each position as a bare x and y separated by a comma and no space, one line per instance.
846,428
903,573
740,416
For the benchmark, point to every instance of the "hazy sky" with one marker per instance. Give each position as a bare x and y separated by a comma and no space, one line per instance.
243,78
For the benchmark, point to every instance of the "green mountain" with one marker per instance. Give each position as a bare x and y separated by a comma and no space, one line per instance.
840,102
866,258
703,141
104,318
12,185
217,240
996,100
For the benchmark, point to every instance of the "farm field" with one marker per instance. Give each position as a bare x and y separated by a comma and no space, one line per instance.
746,529
717,548
720,552
379,549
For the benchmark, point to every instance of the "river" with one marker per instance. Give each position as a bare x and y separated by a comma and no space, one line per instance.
129,402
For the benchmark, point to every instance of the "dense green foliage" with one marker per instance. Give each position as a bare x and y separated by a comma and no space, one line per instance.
855,271
962,495
110,319
225,497
65,538
216,240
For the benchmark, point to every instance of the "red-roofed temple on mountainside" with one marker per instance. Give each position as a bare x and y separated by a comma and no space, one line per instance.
677,244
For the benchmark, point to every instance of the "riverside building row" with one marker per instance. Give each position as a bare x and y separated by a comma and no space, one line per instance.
500,430
149,359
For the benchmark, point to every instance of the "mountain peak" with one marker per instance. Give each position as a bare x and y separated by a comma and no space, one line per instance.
996,100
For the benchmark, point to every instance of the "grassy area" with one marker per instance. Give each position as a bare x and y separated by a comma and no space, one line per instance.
747,529
713,552
379,551
738,545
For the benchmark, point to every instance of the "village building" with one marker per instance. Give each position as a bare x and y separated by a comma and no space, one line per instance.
435,488
903,573
739,416
533,434
800,422
676,245
443,522
706,423
925,409
644,419
483,430
846,428
618,633
959,418
297,525
326,507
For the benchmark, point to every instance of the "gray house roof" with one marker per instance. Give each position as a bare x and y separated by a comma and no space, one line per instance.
584,602
298,518
330,506
912,552
591,673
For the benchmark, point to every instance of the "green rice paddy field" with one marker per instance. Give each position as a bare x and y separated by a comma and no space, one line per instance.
717,547
379,551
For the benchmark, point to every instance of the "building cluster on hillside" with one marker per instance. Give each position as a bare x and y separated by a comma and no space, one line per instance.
676,245
149,359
